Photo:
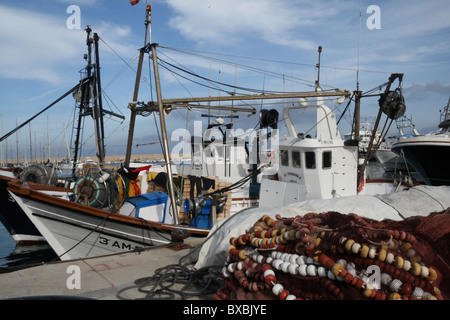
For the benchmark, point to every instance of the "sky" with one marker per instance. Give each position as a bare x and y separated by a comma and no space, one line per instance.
260,44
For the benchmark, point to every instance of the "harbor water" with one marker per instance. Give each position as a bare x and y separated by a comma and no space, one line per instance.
14,255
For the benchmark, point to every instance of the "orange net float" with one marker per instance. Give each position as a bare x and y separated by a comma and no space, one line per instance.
331,256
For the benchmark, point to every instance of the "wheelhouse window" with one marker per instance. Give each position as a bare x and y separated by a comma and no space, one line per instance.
284,155
296,163
326,160
310,160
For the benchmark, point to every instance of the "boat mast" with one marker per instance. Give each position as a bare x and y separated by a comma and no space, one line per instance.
132,106
98,107
357,114
84,88
319,50
164,133
358,93
90,89
134,110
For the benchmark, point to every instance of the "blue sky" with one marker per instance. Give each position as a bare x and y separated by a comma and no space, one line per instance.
40,57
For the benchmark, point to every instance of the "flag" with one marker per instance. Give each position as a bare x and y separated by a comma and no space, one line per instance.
133,2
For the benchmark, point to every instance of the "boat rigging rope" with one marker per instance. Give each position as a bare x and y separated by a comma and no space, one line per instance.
81,241
45,109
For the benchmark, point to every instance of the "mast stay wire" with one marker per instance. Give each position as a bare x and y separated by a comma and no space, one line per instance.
217,82
223,84
254,90
212,82
265,72
166,65
209,58
249,68
202,54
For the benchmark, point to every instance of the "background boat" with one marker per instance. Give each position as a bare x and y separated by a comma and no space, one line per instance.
429,153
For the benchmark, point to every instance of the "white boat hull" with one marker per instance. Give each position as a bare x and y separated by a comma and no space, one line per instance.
74,235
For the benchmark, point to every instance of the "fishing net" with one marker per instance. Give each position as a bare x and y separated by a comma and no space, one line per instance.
339,256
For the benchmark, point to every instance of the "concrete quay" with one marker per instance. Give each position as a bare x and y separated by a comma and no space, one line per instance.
98,278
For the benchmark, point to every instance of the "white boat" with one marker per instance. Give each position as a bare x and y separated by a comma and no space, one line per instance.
365,135
65,164
322,167
429,153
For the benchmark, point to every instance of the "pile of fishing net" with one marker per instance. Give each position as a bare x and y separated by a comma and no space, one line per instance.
339,256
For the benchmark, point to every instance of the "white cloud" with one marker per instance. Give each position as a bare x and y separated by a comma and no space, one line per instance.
423,91
414,18
78,2
34,43
116,36
40,46
280,22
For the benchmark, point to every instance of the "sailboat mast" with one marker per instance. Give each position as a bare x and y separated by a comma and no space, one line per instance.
48,140
17,146
164,133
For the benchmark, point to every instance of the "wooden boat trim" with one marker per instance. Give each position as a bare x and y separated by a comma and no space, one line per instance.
37,186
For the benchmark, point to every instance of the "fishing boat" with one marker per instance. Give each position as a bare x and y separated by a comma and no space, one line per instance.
428,154
43,176
326,166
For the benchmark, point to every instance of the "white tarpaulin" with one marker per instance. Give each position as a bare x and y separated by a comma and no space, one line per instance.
417,201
